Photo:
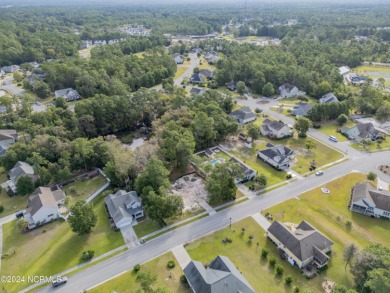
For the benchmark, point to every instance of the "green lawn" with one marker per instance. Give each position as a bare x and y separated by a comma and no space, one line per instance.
246,257
83,188
10,204
385,145
126,283
181,69
330,127
148,226
51,252
329,213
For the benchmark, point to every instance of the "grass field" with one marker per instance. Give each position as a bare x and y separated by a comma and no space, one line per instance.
126,283
83,188
385,145
181,69
10,204
330,127
329,213
55,250
374,72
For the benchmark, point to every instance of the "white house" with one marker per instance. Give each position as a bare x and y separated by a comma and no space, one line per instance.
43,206
275,129
124,207
20,169
279,156
7,137
290,91
11,69
302,245
344,70
369,201
243,115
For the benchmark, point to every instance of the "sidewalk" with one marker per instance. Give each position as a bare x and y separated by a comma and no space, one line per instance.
261,220
182,256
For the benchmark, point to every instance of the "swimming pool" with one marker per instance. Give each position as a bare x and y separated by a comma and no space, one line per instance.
215,161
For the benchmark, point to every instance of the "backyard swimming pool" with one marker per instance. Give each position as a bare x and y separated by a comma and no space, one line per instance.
215,161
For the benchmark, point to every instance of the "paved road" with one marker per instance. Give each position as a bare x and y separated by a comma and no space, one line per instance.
118,264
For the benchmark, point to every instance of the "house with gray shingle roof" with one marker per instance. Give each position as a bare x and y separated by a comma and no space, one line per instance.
197,91
362,131
20,169
328,98
124,207
290,91
243,115
68,94
7,137
279,157
221,276
369,201
43,206
302,245
301,109
275,129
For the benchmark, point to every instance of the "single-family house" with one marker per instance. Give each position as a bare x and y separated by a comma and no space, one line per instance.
7,137
213,60
2,73
124,208
302,245
369,201
43,206
301,109
344,70
197,91
290,91
208,73
279,157
243,115
231,86
20,169
210,55
275,129
362,131
11,68
197,78
328,98
68,94
221,276
196,50
247,173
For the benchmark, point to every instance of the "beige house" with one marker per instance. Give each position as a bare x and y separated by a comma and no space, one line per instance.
301,246
275,129
43,206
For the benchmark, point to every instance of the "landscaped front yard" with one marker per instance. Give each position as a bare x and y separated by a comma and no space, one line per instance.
245,255
54,248
169,278
331,127
329,214
374,146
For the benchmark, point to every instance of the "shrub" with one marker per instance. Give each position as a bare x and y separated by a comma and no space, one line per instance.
264,252
87,255
250,237
371,176
302,135
242,230
136,268
303,98
171,264
44,231
348,225
258,110
316,125
272,261
289,279
183,279
288,176
296,290
1,209
279,270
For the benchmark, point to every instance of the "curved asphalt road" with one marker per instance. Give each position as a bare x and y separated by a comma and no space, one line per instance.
123,262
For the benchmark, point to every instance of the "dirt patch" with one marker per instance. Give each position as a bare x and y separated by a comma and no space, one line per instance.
192,189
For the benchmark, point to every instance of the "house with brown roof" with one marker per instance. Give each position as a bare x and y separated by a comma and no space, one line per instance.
303,245
275,129
367,200
43,206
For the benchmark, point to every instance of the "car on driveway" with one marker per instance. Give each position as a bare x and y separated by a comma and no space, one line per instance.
19,215
319,173
59,281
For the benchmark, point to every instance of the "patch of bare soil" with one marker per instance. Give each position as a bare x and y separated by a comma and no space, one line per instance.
192,189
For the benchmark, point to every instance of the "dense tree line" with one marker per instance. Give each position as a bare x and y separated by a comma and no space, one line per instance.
328,111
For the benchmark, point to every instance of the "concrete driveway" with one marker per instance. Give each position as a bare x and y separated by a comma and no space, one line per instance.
129,236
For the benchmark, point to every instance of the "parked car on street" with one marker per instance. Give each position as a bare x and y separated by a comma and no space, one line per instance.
319,173
59,281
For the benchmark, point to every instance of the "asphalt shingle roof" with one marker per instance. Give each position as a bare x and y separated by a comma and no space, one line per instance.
381,199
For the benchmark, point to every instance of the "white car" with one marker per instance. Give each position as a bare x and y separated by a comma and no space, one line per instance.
319,173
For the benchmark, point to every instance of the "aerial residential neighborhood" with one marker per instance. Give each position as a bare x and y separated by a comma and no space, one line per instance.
177,146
